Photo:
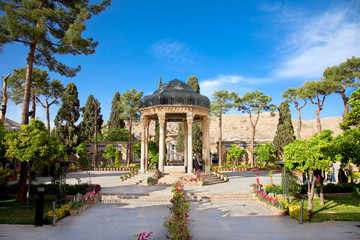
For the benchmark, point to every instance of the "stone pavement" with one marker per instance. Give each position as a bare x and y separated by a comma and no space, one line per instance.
243,219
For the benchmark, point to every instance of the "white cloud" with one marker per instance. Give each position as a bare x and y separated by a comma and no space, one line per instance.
319,43
231,83
171,49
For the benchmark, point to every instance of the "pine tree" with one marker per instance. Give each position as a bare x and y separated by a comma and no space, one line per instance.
254,103
285,131
115,121
47,28
65,129
221,104
87,125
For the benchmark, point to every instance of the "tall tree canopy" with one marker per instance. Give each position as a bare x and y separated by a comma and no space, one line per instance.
115,121
353,117
285,131
130,103
221,104
316,92
33,145
299,98
343,76
87,125
65,121
47,28
254,103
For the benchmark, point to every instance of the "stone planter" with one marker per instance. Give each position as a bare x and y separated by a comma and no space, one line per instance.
73,212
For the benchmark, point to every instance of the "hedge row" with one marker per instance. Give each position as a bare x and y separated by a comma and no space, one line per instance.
50,189
330,188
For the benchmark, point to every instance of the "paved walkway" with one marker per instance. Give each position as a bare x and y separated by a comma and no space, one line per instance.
212,220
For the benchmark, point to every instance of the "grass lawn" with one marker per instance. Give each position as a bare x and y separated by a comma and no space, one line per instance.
336,209
15,213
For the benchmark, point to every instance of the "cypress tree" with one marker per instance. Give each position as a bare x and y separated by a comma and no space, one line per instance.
65,129
196,127
87,125
115,121
157,126
285,131
192,81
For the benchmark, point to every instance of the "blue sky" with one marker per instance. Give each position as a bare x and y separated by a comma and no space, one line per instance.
239,46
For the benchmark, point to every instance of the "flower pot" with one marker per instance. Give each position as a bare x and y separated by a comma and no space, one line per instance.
225,179
201,183
222,176
73,212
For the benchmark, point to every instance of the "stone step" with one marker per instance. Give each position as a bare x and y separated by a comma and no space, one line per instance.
165,197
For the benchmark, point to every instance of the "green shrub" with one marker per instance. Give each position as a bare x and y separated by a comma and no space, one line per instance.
274,189
333,188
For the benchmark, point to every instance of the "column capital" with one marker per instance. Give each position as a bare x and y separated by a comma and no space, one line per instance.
145,120
161,117
189,117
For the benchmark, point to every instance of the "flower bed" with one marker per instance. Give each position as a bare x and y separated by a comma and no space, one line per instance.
277,205
177,224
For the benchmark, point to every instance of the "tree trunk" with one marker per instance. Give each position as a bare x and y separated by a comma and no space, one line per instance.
5,99
298,131
129,145
47,109
28,81
220,140
21,196
311,195
346,105
33,106
318,122
252,159
321,192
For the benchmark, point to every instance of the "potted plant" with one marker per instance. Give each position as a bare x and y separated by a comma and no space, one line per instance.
121,178
125,177
201,181
151,181
222,176
271,178
225,178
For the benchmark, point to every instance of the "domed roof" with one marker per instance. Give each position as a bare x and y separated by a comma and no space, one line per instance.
177,93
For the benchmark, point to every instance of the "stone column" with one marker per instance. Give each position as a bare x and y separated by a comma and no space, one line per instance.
146,145
206,143
189,121
185,145
161,117
143,142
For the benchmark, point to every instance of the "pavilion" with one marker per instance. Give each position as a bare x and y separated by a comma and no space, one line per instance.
175,101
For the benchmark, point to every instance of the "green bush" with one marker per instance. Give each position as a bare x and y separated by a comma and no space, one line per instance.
274,189
333,188
50,189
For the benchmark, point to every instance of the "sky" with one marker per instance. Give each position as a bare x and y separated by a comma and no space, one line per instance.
232,45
